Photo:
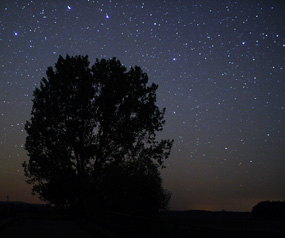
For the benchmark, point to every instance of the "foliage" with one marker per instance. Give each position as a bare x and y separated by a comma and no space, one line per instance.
93,132
267,209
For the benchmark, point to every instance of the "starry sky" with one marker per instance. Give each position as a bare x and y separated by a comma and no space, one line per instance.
220,70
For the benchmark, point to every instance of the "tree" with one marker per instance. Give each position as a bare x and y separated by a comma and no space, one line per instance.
91,127
268,209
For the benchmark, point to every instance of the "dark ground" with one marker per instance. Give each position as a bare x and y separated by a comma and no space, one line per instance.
166,224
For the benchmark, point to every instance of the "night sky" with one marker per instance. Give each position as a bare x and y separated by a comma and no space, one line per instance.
220,70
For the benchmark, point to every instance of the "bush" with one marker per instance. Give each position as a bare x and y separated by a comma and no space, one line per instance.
267,209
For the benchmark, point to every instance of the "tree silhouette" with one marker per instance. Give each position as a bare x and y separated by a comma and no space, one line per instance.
92,136
268,209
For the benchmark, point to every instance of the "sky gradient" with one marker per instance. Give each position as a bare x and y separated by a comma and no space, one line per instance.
220,70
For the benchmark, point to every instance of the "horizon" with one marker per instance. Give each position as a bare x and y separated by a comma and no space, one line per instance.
167,209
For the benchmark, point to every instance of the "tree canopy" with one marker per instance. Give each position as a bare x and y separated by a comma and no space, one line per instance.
92,136
269,209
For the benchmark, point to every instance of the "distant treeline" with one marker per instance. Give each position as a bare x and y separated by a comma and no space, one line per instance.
267,209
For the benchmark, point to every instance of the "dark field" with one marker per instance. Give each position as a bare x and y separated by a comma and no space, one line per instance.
166,224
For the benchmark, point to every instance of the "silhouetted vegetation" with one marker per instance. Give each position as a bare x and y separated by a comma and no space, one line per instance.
92,137
47,222
267,209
